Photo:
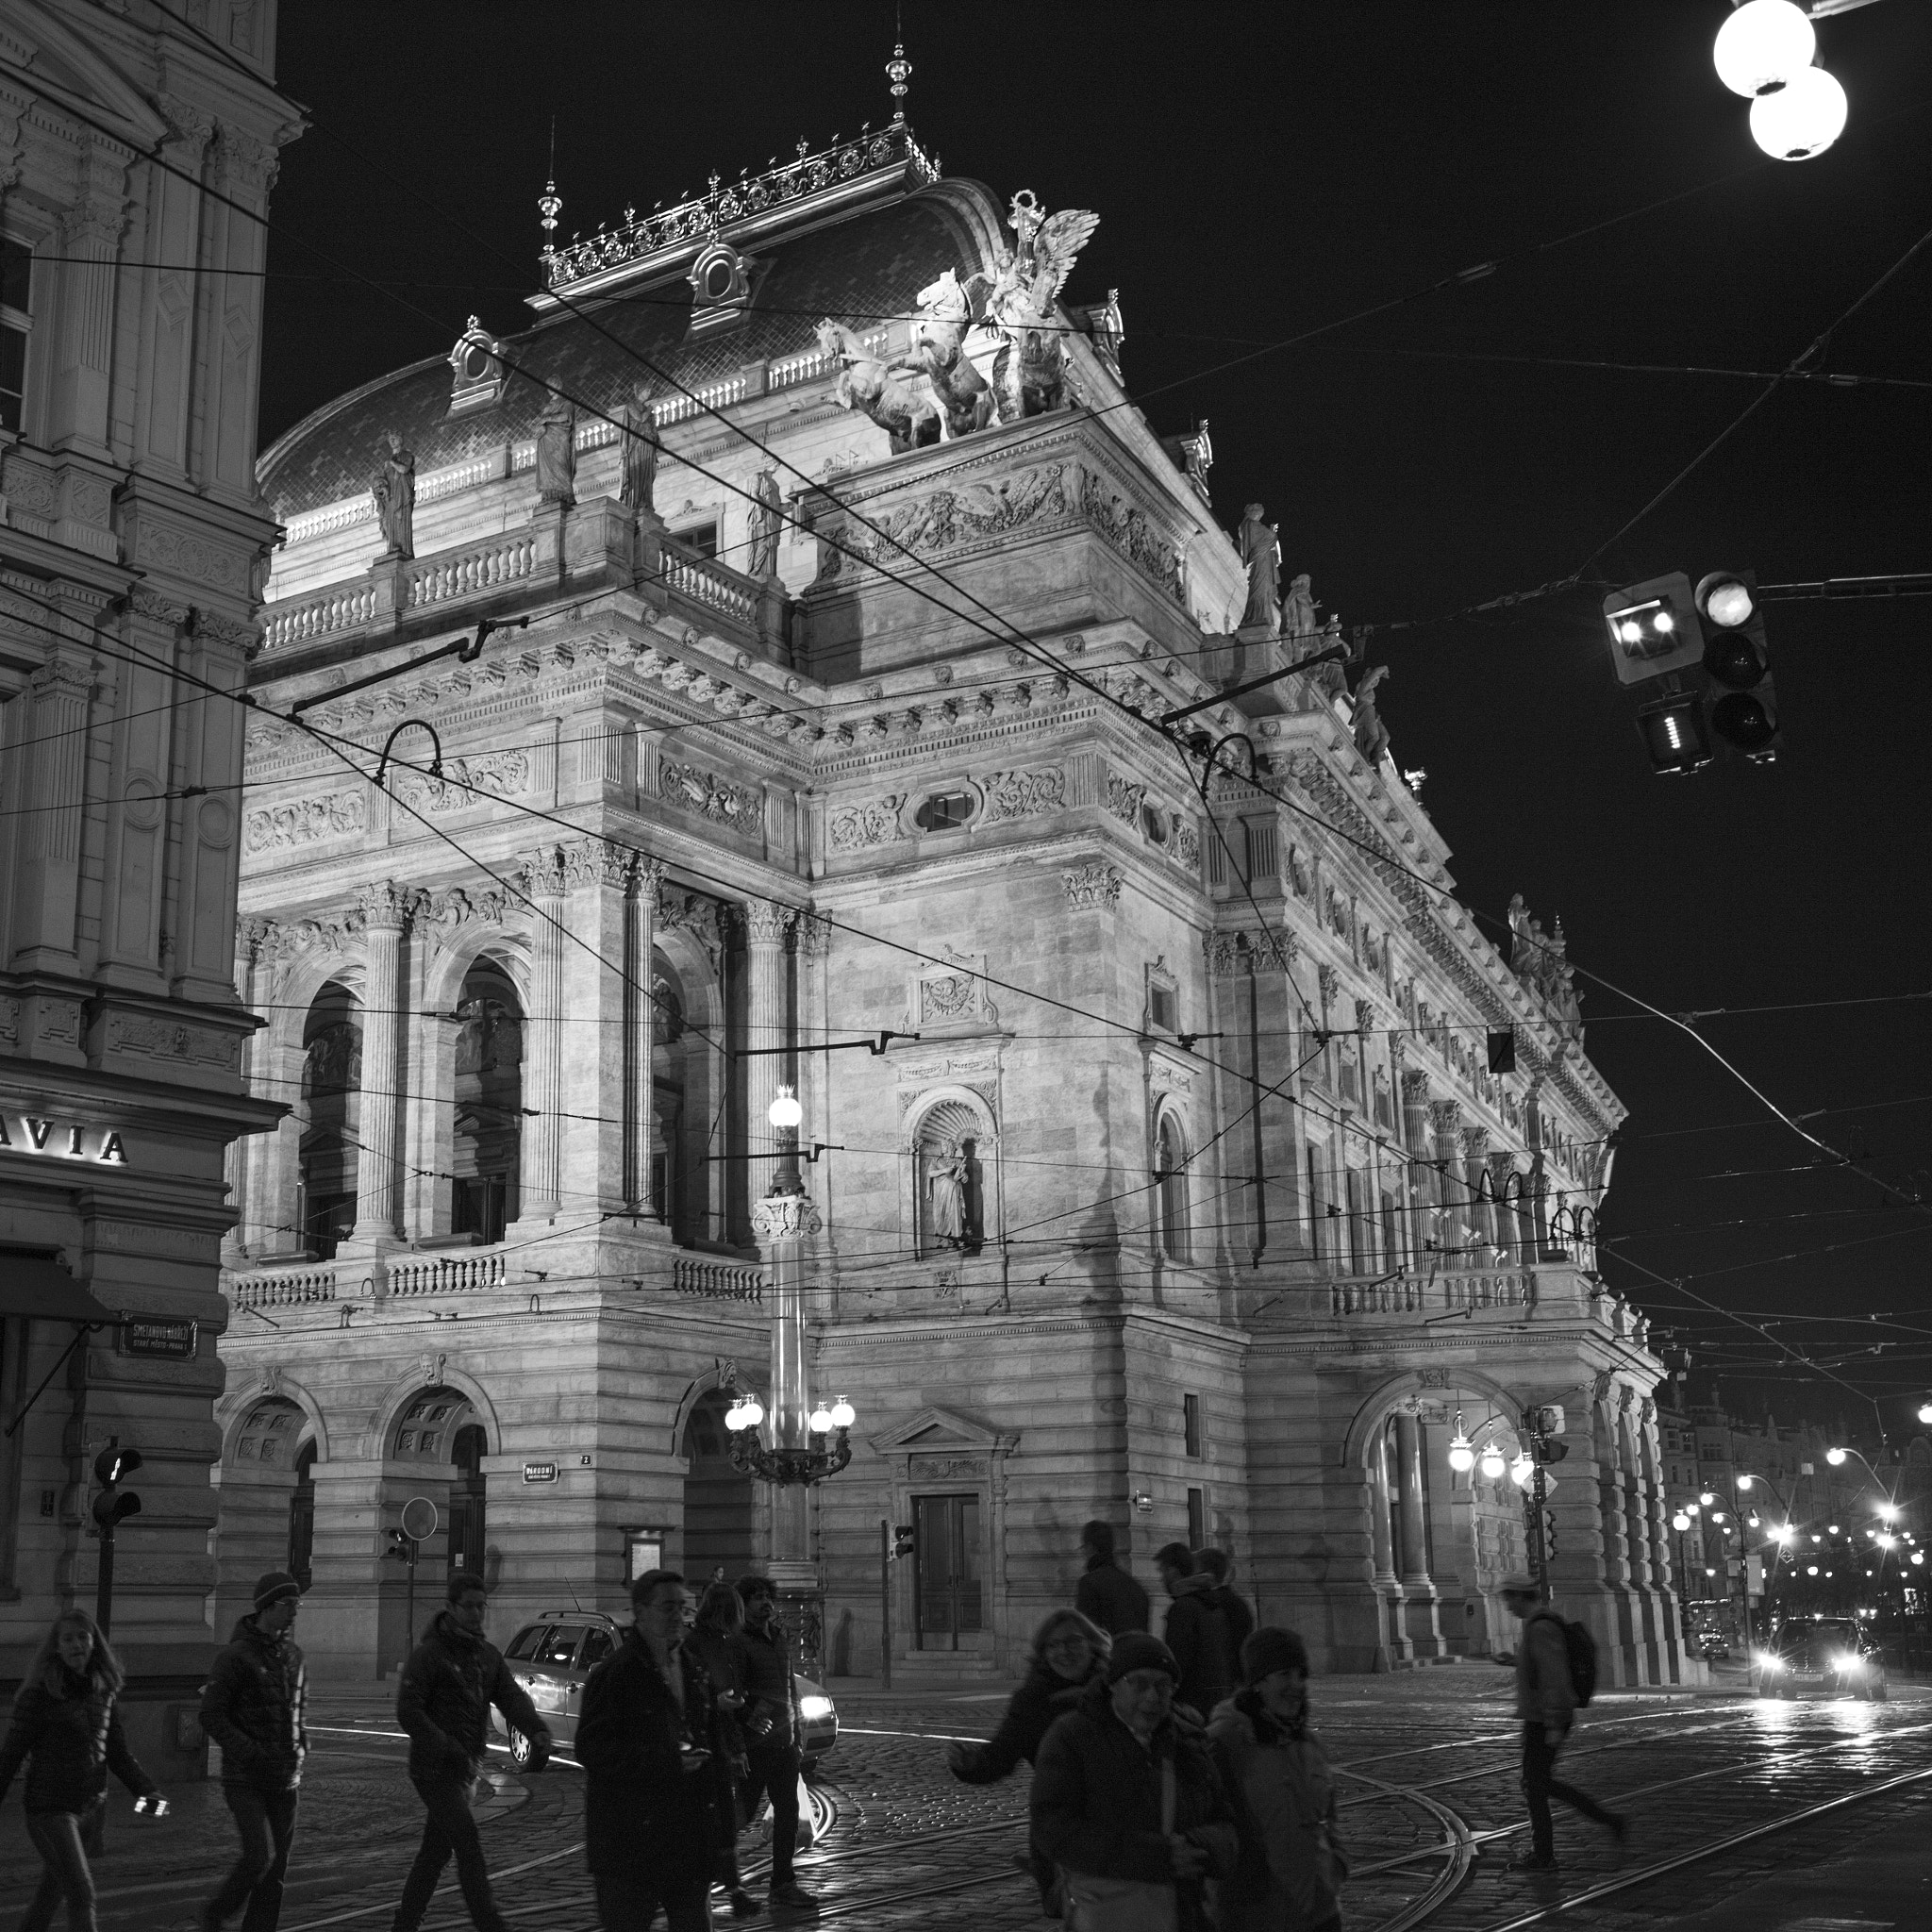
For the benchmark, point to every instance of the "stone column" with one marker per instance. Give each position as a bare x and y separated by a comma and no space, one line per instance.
1477,1216
379,1127
1390,1635
46,896
640,1023
540,1171
597,972
767,921
1418,1587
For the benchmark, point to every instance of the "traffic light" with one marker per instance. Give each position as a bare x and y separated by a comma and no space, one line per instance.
402,1547
1674,732
905,1539
1542,1449
1743,700
1550,1419
1653,628
114,1504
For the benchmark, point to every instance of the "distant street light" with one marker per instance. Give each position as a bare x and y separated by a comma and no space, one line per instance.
1925,1411
1834,1456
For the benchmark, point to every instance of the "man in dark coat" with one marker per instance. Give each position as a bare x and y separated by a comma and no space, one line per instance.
1122,1794
647,1740
1218,1567
771,1733
1107,1593
252,1706
452,1678
1196,1632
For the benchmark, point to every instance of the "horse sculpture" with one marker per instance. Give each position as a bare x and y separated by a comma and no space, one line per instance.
937,354
903,407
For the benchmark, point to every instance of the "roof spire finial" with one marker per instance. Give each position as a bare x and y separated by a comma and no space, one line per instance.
899,71
550,203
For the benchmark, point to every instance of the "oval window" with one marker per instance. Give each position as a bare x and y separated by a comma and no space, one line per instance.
719,276
476,363
944,811
1153,823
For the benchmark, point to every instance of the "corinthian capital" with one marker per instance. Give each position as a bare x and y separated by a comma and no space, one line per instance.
385,906
785,1218
768,921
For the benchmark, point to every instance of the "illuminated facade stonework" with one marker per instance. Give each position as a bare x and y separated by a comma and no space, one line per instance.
132,547
875,766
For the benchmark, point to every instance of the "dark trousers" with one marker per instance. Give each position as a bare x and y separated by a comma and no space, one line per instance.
776,1772
59,1837
448,1828
1540,1784
266,1821
629,1896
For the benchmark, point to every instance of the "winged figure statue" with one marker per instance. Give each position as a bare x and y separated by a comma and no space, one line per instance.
1016,305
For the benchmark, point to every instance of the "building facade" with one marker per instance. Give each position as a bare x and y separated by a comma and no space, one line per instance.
820,589
135,166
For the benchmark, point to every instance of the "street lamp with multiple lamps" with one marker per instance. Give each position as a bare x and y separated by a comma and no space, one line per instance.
1765,52
1527,1472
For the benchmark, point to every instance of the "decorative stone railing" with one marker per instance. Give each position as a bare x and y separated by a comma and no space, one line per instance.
316,617
465,1272
285,1287
465,573
718,1281
715,584
1449,1292
713,395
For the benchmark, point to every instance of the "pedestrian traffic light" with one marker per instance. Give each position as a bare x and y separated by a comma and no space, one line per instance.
1743,701
1653,628
1674,733
905,1539
1546,1450
401,1547
114,1504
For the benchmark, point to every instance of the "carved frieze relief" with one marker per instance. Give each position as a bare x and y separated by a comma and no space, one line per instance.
1094,887
1023,794
466,782
303,822
722,800
867,822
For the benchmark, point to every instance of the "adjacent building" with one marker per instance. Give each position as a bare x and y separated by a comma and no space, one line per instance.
135,165
1180,1151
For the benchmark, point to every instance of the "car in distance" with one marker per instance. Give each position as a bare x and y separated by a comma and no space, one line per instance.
552,1658
1832,1654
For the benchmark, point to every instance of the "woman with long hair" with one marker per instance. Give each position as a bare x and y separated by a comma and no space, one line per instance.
67,1731
717,1641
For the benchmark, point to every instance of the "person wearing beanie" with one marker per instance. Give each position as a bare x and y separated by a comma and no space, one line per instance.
1282,1790
452,1678
1107,1596
252,1706
1128,1804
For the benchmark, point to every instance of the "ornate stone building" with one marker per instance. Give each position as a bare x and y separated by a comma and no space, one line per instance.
135,165
816,709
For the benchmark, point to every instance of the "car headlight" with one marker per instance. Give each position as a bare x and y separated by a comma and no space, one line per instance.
1767,1662
1851,1663
814,1708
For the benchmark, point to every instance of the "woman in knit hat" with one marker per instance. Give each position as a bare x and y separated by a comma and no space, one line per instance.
1279,1779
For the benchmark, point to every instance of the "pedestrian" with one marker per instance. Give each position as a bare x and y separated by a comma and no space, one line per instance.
1196,1632
716,1640
1107,1594
1129,1806
1218,1567
67,1731
252,1706
1546,1703
1283,1792
647,1740
771,1734
452,1678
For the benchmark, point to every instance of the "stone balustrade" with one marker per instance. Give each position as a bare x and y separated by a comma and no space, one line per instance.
1450,1291
283,1287
465,1272
316,617
470,571
704,580
722,1281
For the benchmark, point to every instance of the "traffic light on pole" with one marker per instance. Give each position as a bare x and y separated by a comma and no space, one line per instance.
1743,700
114,1504
401,1547
905,1539
1655,636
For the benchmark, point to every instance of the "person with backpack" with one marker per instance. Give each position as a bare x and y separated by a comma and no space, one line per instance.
1548,1698
1197,1633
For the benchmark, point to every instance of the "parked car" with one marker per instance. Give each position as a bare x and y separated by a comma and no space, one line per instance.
553,1657
1835,1655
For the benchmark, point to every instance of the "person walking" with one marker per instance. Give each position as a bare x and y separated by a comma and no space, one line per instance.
452,1678
647,1740
1126,1805
1217,1566
1546,1703
716,1640
1107,1594
252,1706
771,1734
1196,1632
67,1731
1283,1792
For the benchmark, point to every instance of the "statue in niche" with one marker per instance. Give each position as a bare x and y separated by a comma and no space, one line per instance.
1371,734
393,487
1259,543
767,519
557,453
945,1189
638,423
1300,625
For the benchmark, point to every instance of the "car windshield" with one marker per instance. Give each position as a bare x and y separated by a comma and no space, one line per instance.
1820,1640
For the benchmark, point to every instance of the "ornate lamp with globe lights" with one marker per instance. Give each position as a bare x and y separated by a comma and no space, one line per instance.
1765,52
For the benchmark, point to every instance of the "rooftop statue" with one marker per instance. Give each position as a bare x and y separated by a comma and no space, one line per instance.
557,453
902,406
1259,543
1300,623
938,353
1029,374
1371,734
638,423
767,518
393,487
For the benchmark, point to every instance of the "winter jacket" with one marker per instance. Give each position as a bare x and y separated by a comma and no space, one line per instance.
1111,1598
1544,1693
1042,1697
770,1719
1283,1792
67,1725
725,1661
1096,1801
1240,1619
449,1683
252,1706
1198,1635
642,1808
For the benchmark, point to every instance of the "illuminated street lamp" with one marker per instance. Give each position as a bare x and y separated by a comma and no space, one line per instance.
1801,120
1762,46
1834,1456
1925,1411
1493,1464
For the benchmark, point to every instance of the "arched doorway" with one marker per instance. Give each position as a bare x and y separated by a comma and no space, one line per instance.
267,1516
466,1517
331,1099
486,1145
717,1497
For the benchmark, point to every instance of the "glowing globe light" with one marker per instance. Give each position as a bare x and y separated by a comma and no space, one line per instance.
1680,1522
751,1412
820,1421
1762,46
1708,1496
1461,1457
1801,120
1522,1470
1888,1542
1744,1482
1493,1464
1925,1411
1834,1456
1918,1555
1810,1569
843,1414
785,1112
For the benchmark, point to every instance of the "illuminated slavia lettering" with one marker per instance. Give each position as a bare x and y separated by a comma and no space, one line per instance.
36,1136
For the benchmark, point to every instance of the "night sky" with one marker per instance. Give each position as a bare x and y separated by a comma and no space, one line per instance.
1261,173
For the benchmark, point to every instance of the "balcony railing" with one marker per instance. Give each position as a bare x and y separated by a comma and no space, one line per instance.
284,1287
718,1281
465,573
316,617
466,1272
1448,1293
704,580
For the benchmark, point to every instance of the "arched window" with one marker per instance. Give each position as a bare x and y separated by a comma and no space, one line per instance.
1171,1188
486,1145
331,1097
949,1179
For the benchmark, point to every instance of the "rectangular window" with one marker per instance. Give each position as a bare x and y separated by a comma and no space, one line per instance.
1391,1243
703,538
16,320
945,1570
1358,1242
1190,1424
1197,1520
1314,1204
1162,1003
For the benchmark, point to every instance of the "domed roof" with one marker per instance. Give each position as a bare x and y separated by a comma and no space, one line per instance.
869,265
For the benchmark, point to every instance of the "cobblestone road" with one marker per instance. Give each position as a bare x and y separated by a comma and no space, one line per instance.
1432,1814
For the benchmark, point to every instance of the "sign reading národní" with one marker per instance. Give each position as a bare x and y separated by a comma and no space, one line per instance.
539,1471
